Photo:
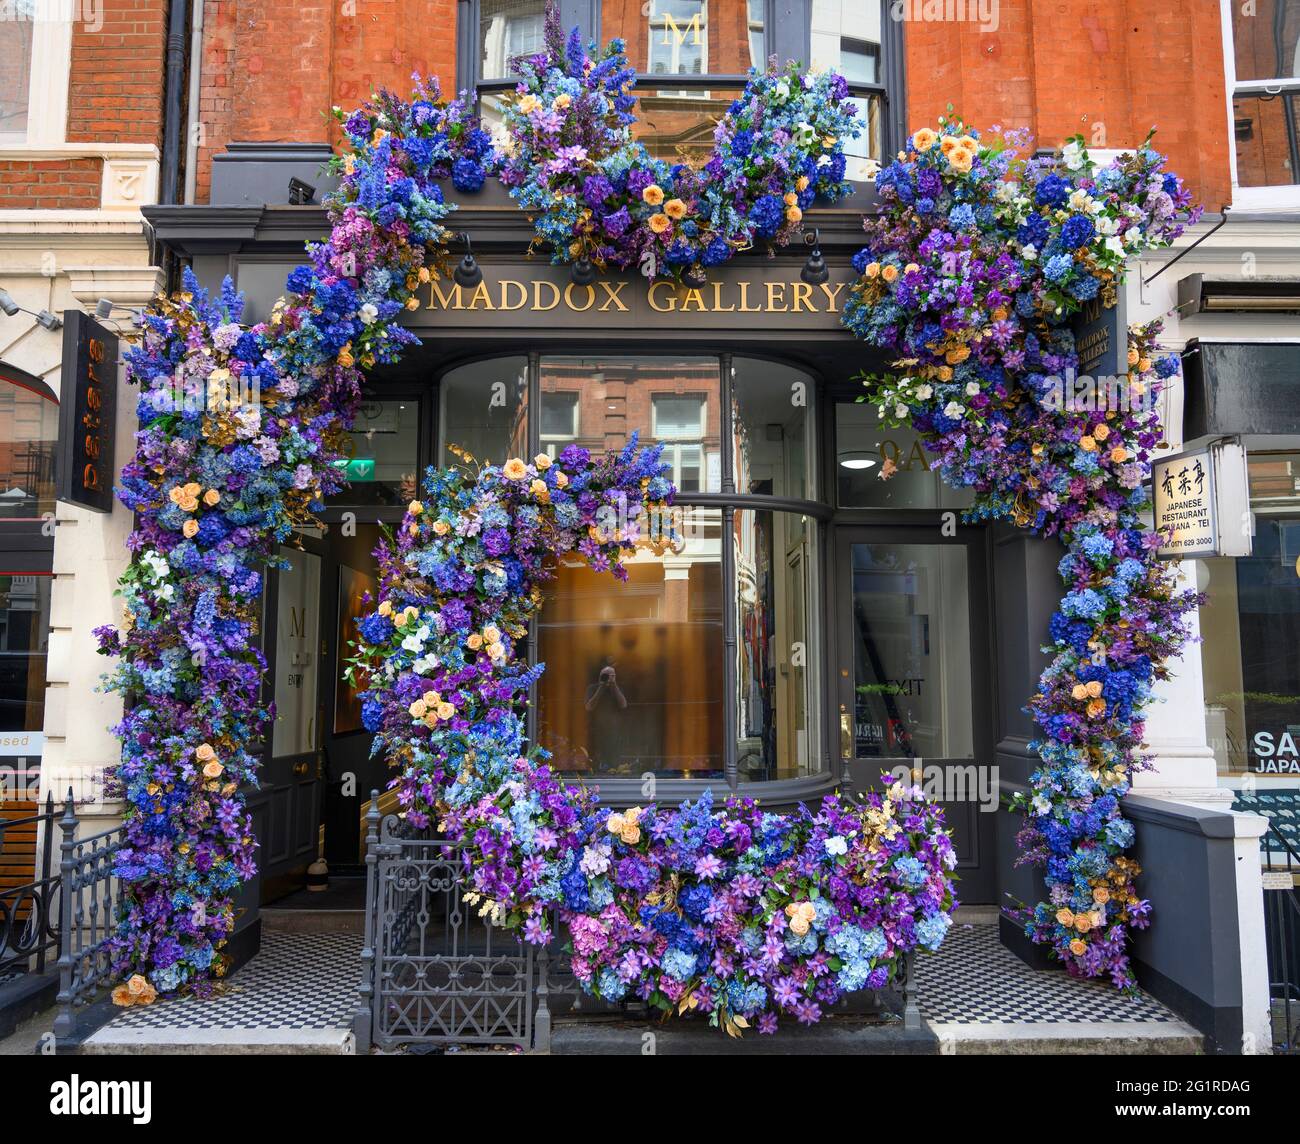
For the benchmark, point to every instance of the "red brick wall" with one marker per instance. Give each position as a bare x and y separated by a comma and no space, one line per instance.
115,93
1108,69
63,184
273,68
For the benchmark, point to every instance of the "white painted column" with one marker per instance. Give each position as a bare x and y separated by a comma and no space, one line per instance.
1184,766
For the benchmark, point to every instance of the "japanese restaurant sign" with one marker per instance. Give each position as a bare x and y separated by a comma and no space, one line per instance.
87,405
1202,502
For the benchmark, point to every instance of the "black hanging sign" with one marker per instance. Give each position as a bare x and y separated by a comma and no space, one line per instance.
87,404
1101,338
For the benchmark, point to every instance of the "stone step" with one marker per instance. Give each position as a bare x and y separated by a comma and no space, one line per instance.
313,921
1069,1038
129,1041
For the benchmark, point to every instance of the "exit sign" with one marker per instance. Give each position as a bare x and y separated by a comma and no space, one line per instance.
358,468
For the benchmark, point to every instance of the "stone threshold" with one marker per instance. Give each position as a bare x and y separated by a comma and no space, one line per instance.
111,1041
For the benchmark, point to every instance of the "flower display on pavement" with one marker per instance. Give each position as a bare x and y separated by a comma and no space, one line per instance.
969,276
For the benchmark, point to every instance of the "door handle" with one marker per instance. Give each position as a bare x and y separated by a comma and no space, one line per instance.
301,768
846,735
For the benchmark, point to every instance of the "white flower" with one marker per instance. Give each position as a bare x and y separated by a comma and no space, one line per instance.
805,134
1028,252
368,313
837,844
1074,156
781,91
413,643
1006,192
166,591
953,410
424,664
925,392
1115,246
972,388
901,410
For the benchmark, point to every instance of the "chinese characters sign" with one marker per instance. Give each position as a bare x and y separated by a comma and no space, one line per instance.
87,404
1202,505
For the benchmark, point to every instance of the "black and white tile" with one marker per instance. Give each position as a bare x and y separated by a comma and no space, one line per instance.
296,981
974,980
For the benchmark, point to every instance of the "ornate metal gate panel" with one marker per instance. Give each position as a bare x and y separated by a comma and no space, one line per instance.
434,972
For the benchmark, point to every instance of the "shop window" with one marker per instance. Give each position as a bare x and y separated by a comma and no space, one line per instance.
1250,629
297,654
634,678
775,652
29,437
24,645
383,453
482,409
676,401
770,422
1263,68
879,467
559,422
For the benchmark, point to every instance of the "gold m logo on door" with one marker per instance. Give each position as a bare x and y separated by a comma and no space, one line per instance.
298,623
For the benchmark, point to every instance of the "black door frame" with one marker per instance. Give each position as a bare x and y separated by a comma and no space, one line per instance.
939,528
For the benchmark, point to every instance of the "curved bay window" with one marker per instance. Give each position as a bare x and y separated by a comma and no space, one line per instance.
692,56
702,666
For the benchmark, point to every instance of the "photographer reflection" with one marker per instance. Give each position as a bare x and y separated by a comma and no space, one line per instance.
606,725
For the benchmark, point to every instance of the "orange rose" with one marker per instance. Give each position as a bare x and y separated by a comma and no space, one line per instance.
189,528
1078,947
213,770
923,139
514,469
653,194
1119,454
675,208
1065,917
660,223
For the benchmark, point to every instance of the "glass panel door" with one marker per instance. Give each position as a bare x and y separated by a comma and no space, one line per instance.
914,678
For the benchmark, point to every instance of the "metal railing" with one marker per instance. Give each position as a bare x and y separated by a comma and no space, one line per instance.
88,915
433,972
28,935
1282,938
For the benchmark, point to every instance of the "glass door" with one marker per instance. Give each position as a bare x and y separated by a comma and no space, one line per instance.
914,677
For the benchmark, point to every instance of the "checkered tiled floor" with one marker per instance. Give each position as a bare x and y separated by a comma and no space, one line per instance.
975,980
308,982
297,981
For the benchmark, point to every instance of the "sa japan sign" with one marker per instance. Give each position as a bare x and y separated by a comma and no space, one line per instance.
87,407
1202,502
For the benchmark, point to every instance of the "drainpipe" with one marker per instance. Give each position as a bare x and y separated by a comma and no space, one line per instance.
173,97
192,109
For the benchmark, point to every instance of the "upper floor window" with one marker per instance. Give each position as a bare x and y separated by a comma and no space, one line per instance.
16,70
692,56
1263,66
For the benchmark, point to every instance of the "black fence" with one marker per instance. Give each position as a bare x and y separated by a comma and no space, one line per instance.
1282,936
29,884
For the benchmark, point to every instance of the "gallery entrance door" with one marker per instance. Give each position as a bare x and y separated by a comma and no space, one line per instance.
914,675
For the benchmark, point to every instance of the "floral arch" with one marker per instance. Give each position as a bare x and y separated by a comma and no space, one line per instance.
967,277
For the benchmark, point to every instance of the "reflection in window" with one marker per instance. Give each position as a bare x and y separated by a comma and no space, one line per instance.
910,634
1250,628
382,451
661,399
1267,140
297,654
1266,39
688,37
24,647
29,436
770,426
482,411
16,68
845,37
633,681
773,654
865,451
506,29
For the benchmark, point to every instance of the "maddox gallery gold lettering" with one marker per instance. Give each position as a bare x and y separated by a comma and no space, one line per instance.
616,297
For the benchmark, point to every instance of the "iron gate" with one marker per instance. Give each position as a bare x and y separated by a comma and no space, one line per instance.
433,971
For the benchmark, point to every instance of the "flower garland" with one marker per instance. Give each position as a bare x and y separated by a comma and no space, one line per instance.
567,155
732,911
969,276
